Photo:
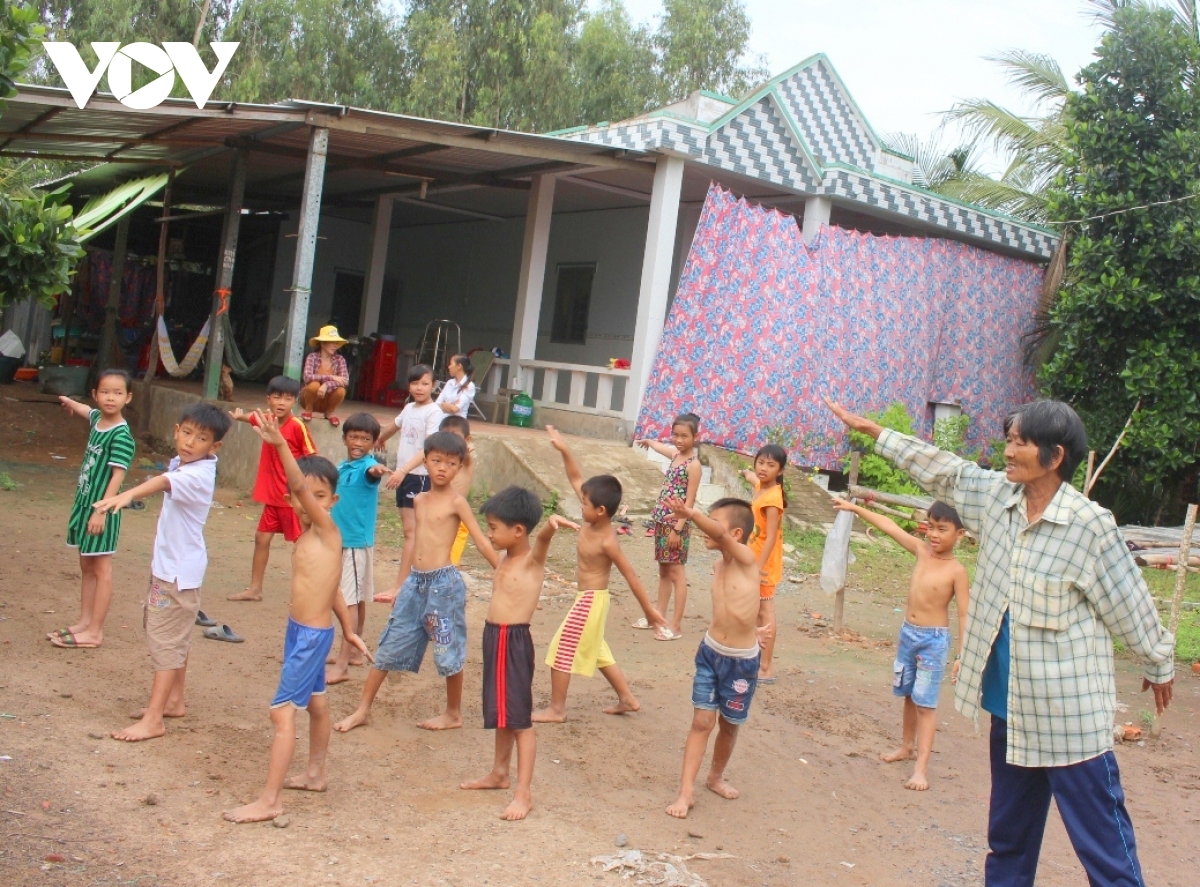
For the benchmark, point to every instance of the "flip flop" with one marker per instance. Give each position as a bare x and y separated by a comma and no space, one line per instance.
57,633
642,624
67,642
223,633
306,417
665,634
334,421
204,619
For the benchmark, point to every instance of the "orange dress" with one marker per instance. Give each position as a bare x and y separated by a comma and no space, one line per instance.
770,498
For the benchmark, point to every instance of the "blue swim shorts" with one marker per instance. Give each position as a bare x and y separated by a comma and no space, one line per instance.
303,676
430,609
921,653
724,683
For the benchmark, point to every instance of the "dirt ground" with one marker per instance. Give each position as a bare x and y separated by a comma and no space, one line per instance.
817,805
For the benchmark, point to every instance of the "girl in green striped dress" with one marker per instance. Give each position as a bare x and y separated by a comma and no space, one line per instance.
106,460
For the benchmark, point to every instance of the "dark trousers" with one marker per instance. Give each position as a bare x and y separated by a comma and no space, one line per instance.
1091,803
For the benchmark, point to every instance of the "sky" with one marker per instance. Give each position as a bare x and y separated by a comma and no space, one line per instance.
906,61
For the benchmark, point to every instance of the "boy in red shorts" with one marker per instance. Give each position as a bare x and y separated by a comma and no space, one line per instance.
271,486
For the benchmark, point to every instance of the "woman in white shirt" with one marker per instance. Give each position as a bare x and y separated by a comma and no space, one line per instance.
459,391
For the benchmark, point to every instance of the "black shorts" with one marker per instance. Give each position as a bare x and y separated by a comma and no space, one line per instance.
507,677
412,486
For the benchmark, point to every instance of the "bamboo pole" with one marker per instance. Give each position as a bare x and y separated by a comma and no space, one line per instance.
918,502
839,601
1185,547
160,289
1091,470
1087,490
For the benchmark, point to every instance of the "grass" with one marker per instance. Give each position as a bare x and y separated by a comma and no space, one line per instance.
7,484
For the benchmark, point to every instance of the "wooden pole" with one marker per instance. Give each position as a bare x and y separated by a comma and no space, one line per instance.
839,600
1091,470
160,289
1185,547
108,335
1087,490
220,303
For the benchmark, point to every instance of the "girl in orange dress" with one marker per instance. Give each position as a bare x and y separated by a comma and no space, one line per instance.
770,500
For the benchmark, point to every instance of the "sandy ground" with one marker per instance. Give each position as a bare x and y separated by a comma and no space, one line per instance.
817,805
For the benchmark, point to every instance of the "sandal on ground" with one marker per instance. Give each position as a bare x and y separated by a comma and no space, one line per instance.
665,634
57,633
204,619
642,623
334,421
223,633
67,642
306,417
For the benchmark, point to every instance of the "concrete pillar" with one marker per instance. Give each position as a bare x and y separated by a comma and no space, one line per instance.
533,276
221,297
381,230
306,251
816,214
656,279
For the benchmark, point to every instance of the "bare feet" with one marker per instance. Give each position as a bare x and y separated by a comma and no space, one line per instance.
491,781
357,660
623,707
385,597
336,675
903,753
444,721
256,812
140,731
680,808
306,783
247,595
519,808
549,716
722,788
919,782
358,719
169,712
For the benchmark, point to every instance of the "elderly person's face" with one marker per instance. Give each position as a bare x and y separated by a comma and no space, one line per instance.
328,348
1021,463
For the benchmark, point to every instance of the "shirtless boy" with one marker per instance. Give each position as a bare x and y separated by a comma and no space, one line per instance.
462,482
728,658
579,646
924,643
432,604
507,646
316,573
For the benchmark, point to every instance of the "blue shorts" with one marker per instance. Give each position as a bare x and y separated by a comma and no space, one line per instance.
724,684
412,486
921,653
303,676
431,608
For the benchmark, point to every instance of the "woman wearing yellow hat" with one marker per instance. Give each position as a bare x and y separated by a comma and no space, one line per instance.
325,376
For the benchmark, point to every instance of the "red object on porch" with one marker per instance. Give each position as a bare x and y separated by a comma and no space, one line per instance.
378,372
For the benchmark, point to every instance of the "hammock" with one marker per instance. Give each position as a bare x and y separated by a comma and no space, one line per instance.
237,363
190,360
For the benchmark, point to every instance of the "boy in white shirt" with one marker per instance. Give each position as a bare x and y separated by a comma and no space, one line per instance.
420,418
179,561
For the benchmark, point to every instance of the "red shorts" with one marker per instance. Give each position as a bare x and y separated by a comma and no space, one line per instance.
280,519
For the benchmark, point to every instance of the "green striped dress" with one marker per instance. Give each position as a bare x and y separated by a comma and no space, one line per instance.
108,449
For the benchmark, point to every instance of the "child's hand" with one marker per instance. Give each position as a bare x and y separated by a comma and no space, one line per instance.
67,403
644,444
656,620
95,524
355,641
268,428
394,481
844,505
556,439
377,470
111,504
679,508
674,540
239,415
559,522
954,671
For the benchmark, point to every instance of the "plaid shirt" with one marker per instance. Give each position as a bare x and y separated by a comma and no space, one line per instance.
1068,583
312,370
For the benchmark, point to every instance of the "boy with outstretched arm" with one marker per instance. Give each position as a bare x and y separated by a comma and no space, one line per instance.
507,646
179,560
432,604
271,484
728,658
579,646
924,643
316,571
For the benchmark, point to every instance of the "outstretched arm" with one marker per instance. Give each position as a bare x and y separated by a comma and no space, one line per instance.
385,435
463,509
879,522
159,484
661,448
714,530
75,408
541,542
267,427
961,601
240,415
574,475
616,554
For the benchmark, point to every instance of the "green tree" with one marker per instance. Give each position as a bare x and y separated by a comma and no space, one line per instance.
702,45
38,247
616,70
19,31
1128,322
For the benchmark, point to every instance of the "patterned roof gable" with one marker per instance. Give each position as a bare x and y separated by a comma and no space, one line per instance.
828,121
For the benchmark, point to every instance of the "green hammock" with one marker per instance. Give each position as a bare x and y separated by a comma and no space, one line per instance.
237,363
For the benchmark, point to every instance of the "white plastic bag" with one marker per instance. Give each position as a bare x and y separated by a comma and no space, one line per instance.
10,346
837,555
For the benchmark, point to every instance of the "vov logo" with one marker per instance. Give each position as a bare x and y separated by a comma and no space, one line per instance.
166,61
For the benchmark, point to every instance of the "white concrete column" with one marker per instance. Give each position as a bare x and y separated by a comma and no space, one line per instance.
656,278
533,276
381,231
816,214
306,251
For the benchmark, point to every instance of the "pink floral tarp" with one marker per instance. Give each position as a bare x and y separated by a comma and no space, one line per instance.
763,326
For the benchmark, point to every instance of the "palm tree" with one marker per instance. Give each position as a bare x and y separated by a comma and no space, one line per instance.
936,166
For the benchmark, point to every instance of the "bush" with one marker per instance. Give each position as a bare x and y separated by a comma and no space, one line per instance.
874,471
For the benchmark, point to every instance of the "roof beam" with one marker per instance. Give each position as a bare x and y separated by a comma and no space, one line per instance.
35,122
90,158
416,201
602,186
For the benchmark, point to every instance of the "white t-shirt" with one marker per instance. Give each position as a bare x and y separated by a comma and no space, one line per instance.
179,552
460,393
415,424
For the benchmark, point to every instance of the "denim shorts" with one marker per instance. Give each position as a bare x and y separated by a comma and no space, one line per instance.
921,654
724,684
430,609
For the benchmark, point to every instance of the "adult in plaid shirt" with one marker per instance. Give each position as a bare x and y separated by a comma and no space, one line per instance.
1053,583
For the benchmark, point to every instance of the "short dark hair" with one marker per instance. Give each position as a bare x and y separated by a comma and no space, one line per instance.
117,372
207,417
454,423
691,420
418,372
603,491
942,512
741,515
515,506
362,422
1050,424
320,468
284,385
446,442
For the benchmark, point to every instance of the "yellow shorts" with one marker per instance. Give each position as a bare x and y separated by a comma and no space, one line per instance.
579,646
460,544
